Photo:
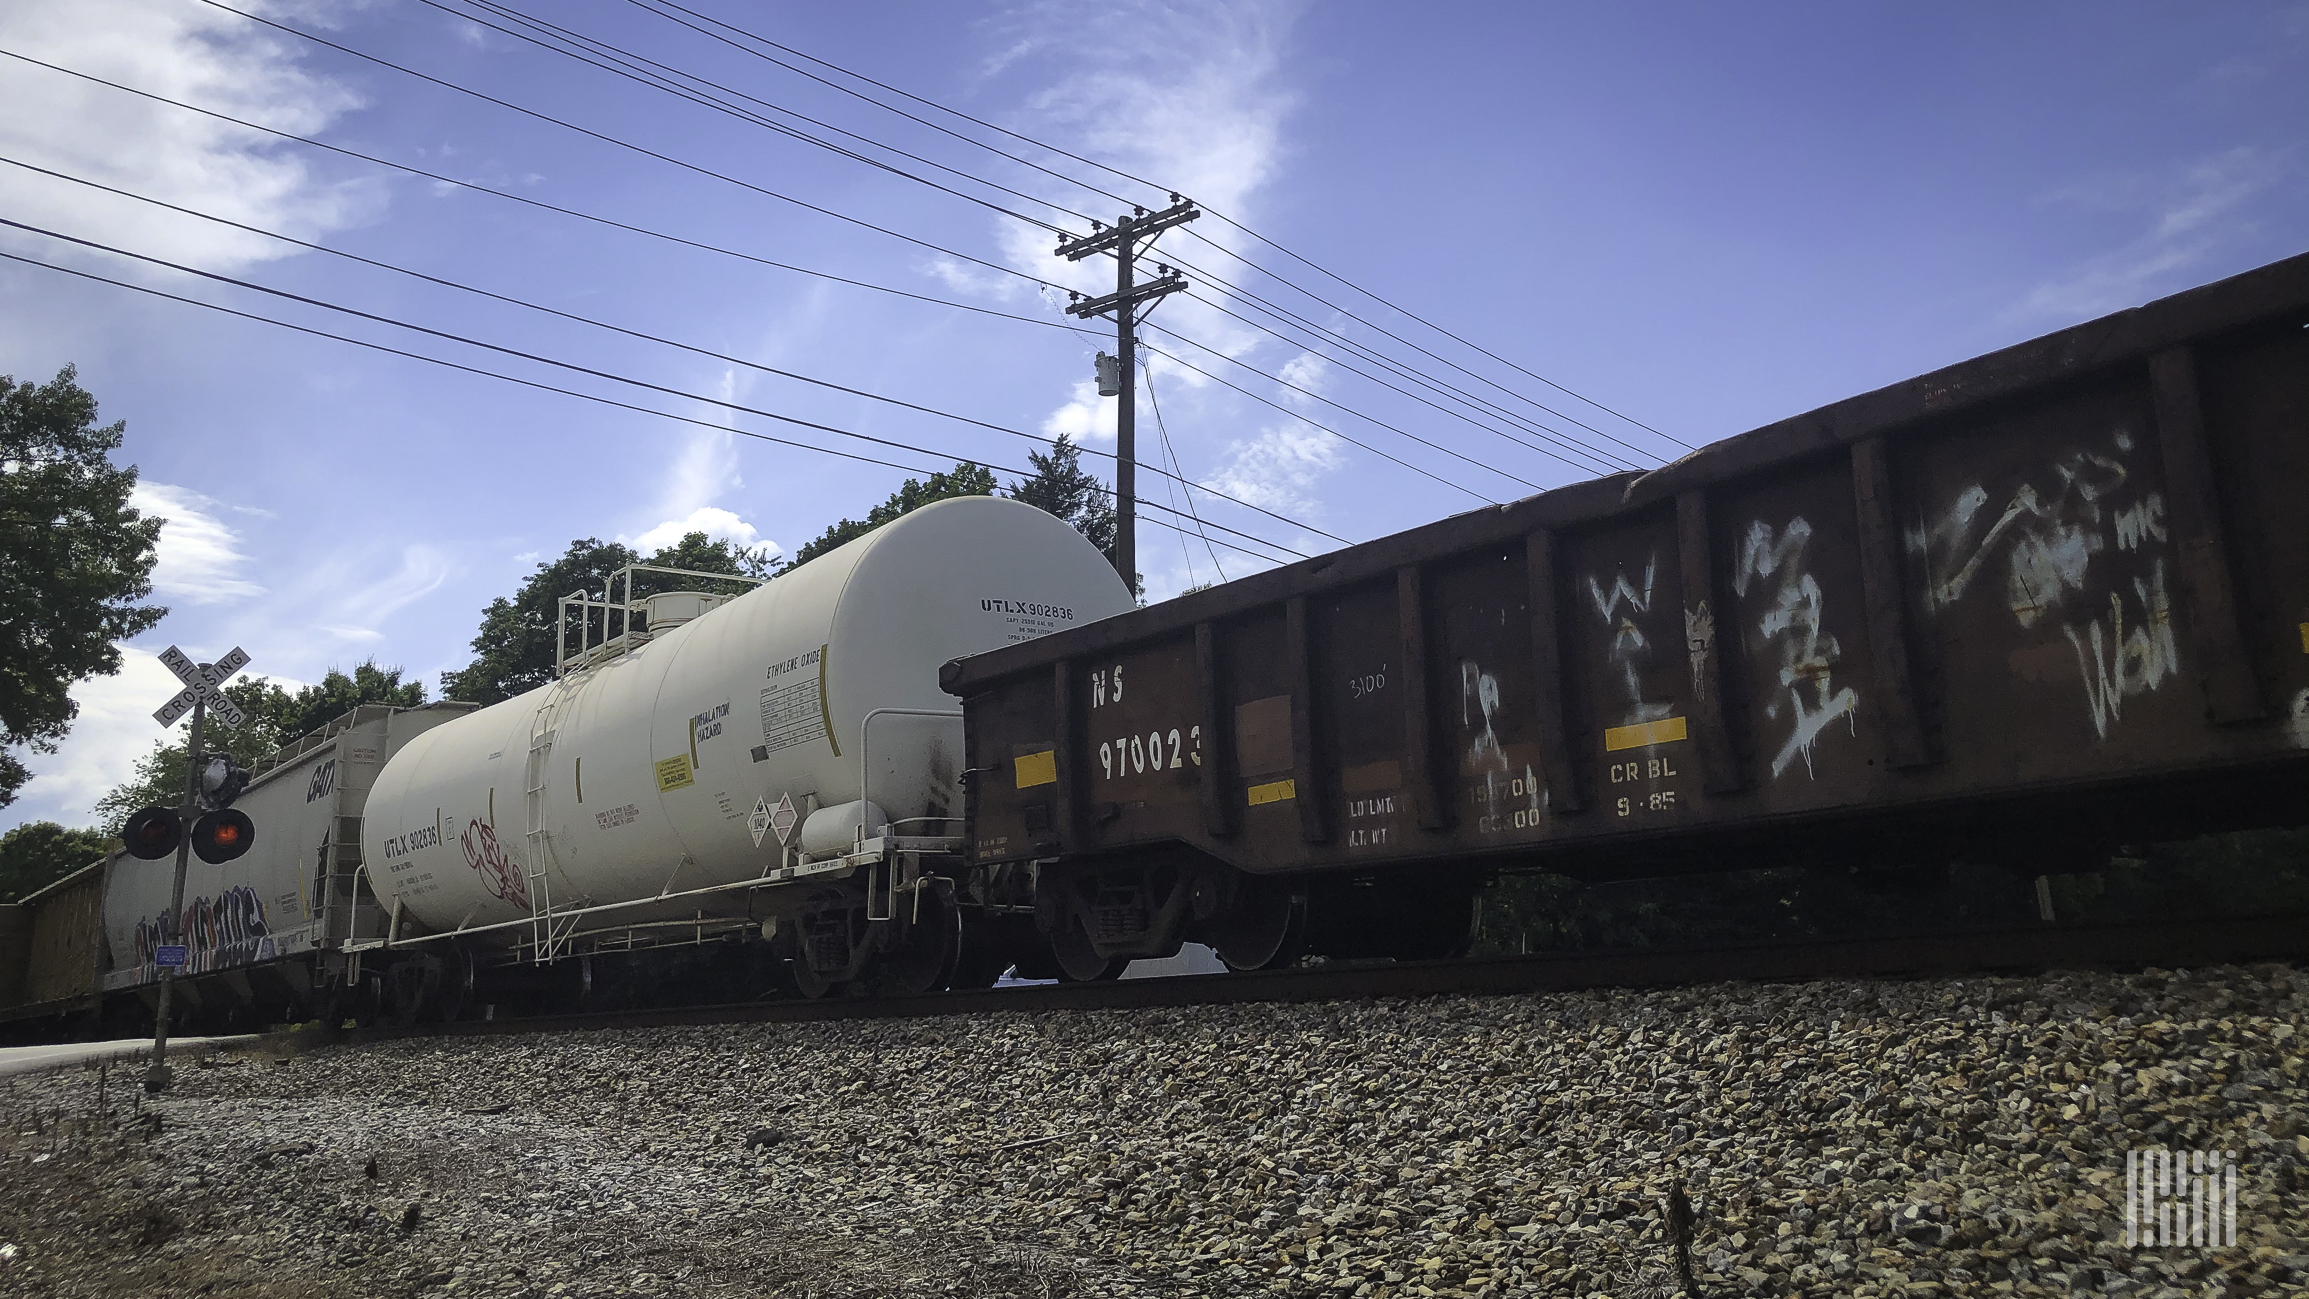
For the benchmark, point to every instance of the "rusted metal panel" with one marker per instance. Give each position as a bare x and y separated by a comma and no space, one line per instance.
1210,738
1420,781
2224,672
1906,741
1720,770
67,938
1544,593
1978,604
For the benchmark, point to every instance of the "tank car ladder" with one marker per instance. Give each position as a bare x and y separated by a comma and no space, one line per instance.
547,937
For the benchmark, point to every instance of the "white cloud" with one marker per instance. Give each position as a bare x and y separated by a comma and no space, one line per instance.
1187,92
189,52
1086,417
113,730
1305,374
200,556
1278,469
2190,218
718,524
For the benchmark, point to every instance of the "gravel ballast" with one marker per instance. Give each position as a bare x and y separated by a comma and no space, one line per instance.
1865,1138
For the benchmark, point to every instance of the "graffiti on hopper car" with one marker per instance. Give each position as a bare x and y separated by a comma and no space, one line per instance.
230,929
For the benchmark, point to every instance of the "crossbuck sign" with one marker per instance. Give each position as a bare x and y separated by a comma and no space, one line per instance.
202,683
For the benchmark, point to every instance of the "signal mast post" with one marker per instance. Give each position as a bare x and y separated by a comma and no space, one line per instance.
156,1078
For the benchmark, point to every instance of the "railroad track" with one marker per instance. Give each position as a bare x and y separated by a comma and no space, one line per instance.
2026,950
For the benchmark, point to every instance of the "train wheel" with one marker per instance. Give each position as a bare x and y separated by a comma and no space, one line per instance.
1265,930
811,984
1078,962
924,960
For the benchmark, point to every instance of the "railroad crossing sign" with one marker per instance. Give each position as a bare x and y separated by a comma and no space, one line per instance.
203,683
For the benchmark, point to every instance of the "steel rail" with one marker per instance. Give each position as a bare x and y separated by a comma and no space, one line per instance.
2026,950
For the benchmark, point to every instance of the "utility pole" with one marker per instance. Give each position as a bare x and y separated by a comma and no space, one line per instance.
156,1078
1124,242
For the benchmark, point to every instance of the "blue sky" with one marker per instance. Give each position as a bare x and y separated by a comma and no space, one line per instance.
1705,217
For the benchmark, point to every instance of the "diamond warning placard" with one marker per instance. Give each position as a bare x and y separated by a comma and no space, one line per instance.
783,817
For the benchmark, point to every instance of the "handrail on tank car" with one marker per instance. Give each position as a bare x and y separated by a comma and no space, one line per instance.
587,604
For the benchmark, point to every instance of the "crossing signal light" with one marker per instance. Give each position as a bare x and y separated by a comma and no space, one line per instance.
221,781
222,835
152,833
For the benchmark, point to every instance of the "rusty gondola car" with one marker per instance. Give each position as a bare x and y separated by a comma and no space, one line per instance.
2019,609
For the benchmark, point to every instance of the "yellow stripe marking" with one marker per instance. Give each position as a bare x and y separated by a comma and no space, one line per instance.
1038,769
2305,638
1273,792
1667,730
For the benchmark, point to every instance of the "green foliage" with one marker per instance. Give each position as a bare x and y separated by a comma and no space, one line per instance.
275,717
39,853
1061,486
78,559
966,479
514,648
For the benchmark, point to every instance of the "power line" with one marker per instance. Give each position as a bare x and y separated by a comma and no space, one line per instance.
611,376
664,78
539,203
644,150
1183,364
1158,187
1432,325
584,320
706,171
1179,471
642,230
1615,460
607,401
660,82
1608,464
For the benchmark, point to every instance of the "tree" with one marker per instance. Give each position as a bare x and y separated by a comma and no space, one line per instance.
966,479
275,717
78,558
39,853
1061,486
514,648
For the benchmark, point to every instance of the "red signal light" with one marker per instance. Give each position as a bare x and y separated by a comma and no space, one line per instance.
152,833
222,835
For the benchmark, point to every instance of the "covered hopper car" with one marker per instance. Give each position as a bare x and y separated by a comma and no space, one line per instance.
2021,609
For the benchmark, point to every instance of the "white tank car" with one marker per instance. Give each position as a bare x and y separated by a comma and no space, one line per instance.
650,764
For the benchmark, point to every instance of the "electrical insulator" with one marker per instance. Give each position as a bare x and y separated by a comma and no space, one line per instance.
1109,376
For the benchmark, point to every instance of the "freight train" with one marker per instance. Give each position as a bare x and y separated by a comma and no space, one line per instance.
2022,608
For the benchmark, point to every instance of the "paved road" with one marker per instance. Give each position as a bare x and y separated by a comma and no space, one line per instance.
25,1059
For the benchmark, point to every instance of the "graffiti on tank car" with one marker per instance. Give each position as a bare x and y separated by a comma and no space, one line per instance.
1792,622
324,781
1628,644
487,858
2048,541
